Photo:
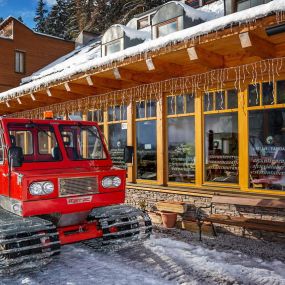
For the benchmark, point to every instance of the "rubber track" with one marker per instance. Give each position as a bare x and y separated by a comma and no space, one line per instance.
133,225
25,243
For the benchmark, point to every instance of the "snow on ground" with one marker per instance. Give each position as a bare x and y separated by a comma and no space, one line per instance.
169,257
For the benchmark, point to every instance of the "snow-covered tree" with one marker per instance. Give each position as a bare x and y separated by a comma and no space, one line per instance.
40,17
57,18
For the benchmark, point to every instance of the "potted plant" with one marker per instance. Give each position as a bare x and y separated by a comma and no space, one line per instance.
168,219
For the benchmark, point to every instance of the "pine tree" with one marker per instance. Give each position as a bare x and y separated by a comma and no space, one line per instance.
57,19
72,25
21,19
1,19
40,17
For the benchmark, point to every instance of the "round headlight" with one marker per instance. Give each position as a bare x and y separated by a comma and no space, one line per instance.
41,188
36,188
111,182
48,187
107,182
117,181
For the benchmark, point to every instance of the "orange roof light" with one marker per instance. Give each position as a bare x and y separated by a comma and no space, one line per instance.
48,115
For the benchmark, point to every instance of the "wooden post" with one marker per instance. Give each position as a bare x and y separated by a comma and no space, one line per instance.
131,140
85,138
199,137
105,127
243,140
161,142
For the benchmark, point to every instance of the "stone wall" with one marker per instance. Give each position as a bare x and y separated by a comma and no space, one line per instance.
138,198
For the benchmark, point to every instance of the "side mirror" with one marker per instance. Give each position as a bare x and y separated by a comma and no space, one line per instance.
15,156
128,154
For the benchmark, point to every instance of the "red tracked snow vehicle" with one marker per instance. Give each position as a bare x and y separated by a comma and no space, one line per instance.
58,186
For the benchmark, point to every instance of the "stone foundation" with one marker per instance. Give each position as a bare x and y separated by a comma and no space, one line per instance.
148,199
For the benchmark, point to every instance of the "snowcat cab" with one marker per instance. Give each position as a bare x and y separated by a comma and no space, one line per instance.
58,185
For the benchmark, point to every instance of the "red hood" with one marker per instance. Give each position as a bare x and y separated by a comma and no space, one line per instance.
66,171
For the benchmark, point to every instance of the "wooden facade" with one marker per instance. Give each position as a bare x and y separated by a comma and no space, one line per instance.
38,50
223,73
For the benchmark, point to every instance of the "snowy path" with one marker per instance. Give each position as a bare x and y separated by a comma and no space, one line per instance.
162,260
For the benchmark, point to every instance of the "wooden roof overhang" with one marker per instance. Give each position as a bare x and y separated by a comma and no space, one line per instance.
230,47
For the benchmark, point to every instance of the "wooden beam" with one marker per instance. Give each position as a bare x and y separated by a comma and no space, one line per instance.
206,58
256,46
63,94
169,68
141,77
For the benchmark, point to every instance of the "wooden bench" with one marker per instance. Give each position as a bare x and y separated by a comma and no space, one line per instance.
241,221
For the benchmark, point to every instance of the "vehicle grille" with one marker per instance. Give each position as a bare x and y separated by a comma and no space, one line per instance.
78,186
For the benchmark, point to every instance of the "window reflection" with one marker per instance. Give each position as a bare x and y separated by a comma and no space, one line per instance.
267,93
208,101
113,47
221,147
267,149
181,149
280,91
166,29
253,95
146,150
117,142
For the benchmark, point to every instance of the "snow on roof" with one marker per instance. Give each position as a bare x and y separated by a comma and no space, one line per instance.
216,7
69,61
86,59
133,33
194,14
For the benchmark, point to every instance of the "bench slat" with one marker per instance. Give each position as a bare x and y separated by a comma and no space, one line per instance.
242,201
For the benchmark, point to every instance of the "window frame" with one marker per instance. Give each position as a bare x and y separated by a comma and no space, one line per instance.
108,44
22,69
121,121
217,112
139,27
261,107
173,20
177,116
144,119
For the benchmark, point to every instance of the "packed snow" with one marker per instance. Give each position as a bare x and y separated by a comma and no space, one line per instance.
81,62
216,7
169,257
135,34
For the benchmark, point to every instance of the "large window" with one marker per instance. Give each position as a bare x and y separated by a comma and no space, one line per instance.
117,134
267,149
146,140
19,62
167,28
181,138
221,137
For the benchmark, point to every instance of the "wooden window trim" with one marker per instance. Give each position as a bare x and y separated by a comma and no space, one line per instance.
202,134
175,116
24,61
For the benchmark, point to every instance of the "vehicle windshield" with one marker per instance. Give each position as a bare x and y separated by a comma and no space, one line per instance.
82,142
38,142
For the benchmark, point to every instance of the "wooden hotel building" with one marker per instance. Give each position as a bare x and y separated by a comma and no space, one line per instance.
198,88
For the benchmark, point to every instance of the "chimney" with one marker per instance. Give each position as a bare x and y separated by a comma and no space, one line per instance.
84,38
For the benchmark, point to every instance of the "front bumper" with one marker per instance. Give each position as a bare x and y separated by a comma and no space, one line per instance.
68,205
